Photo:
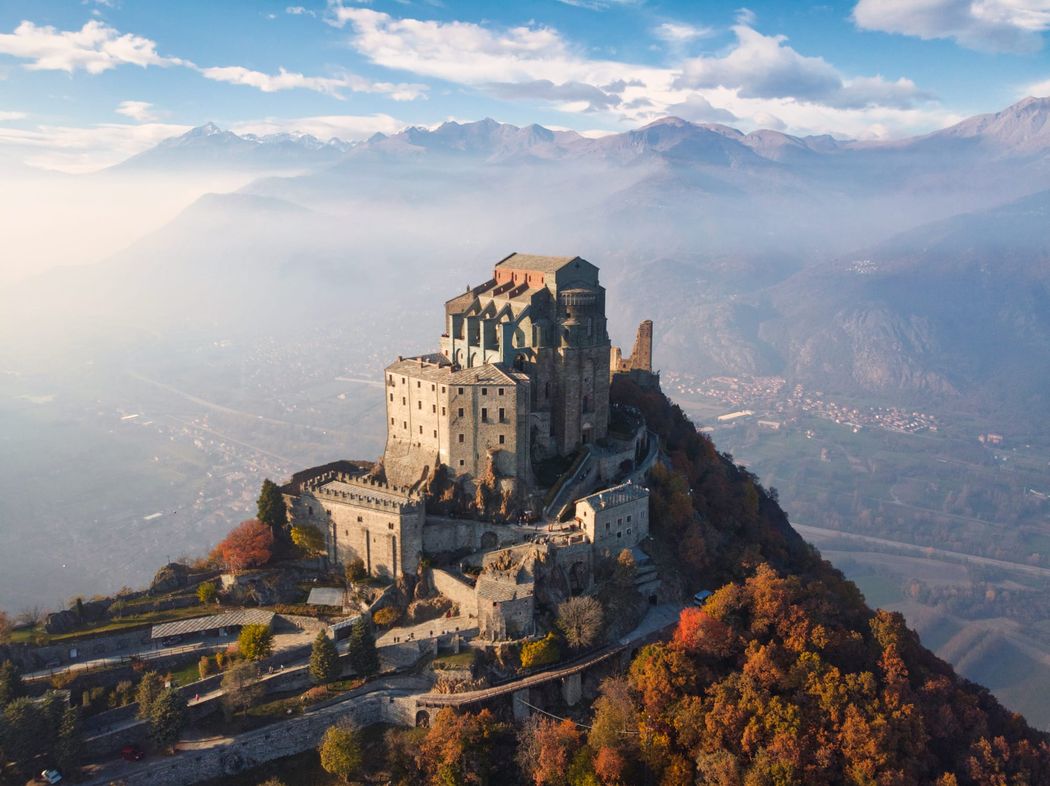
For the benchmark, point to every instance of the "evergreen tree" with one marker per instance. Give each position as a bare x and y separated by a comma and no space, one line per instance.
25,731
70,743
362,649
324,660
272,510
11,686
150,687
167,718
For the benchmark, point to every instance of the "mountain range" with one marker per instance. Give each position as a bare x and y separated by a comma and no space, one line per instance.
909,269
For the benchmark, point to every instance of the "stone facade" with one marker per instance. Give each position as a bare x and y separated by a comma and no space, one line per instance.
363,518
615,519
544,316
462,418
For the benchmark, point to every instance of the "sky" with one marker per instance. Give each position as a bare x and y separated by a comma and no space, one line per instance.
85,84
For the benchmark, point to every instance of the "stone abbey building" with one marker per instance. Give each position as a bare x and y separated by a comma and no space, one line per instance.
522,374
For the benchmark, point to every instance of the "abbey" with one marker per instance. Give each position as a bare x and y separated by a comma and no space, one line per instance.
521,377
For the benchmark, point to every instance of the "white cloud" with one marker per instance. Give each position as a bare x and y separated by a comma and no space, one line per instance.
599,5
95,48
298,10
1039,89
760,74
680,32
142,111
11,115
762,66
324,127
290,80
987,25
84,149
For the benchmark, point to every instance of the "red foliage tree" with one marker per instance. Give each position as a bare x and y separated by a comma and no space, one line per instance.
248,545
699,633
609,766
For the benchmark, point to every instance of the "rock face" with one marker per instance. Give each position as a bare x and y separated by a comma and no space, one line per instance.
171,577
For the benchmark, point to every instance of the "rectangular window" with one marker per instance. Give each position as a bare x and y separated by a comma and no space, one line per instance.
360,519
502,415
419,405
461,462
461,439
442,412
442,388
461,411
484,415
500,391
502,439
419,384
433,387
404,424
390,525
435,434
628,519
628,530
420,429
391,396
391,421
461,391
404,401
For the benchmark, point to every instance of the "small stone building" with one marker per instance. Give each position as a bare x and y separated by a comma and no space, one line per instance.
616,518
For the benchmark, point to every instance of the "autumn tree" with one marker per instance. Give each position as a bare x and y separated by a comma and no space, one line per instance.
580,620
541,652
341,752
324,659
308,538
699,633
248,545
459,748
207,592
255,641
546,748
272,511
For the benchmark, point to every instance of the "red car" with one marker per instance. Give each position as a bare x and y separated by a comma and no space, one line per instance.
131,753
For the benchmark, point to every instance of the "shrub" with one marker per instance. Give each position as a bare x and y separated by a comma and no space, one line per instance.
207,592
255,642
387,615
539,653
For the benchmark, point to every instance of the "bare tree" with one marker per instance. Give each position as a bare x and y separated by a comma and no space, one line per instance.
241,689
580,620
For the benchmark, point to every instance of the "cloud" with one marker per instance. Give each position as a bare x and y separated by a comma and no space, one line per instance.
700,110
759,74
600,5
762,66
298,10
142,111
84,149
1039,89
680,32
595,99
986,25
9,115
324,127
290,80
95,48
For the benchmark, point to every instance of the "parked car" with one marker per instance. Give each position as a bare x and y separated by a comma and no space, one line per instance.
131,753
51,776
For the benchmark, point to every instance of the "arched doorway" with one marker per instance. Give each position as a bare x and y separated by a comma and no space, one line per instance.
422,719
489,540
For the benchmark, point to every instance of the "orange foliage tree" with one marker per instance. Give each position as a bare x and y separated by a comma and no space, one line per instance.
248,545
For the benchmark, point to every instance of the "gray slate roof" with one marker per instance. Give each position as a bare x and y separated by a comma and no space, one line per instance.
617,495
326,596
237,618
535,262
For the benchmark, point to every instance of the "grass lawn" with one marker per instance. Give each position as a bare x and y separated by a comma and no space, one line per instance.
461,660
111,626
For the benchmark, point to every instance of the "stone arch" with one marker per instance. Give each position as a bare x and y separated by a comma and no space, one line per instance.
489,540
422,719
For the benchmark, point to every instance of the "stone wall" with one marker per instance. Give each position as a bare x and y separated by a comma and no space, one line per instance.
268,743
444,535
457,590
